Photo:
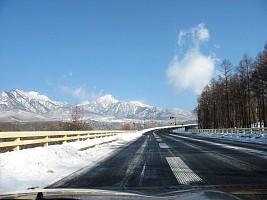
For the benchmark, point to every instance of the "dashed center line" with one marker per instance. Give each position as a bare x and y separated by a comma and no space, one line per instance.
135,162
163,146
182,172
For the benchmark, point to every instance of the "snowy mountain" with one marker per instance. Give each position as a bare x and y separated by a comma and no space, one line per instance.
27,101
100,104
17,105
110,107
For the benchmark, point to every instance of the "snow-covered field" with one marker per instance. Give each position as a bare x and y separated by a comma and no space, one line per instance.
258,138
42,166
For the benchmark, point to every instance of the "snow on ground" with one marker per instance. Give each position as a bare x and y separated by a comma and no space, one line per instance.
42,166
253,137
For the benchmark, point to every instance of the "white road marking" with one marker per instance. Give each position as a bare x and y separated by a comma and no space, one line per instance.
182,172
143,171
136,160
142,175
163,146
224,158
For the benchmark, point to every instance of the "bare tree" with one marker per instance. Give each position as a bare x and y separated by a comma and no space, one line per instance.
77,114
126,127
227,69
236,100
259,85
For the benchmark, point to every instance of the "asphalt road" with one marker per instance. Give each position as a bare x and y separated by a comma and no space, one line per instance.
165,159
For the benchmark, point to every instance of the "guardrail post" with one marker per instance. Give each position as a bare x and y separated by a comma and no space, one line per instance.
17,147
78,138
46,143
65,139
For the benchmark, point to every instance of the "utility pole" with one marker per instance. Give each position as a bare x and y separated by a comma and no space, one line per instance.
174,119
144,122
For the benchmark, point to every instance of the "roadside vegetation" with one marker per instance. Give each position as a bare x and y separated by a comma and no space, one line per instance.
237,97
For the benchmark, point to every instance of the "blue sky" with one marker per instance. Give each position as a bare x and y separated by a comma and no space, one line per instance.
160,52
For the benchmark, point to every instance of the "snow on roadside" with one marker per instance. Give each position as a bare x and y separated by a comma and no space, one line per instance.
38,167
253,137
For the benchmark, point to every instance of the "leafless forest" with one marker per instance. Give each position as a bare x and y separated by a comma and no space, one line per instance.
237,97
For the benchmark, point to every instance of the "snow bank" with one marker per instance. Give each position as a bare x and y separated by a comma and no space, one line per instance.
253,137
259,138
41,166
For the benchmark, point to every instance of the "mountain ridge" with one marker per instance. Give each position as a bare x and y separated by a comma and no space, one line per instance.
35,106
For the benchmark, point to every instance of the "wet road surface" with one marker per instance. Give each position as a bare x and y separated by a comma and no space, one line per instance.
165,159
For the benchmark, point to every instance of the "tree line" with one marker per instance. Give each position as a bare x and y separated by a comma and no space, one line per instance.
237,97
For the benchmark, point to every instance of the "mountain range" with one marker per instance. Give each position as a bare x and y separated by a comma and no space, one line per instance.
20,106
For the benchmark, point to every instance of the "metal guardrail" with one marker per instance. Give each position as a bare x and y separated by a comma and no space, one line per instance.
16,140
232,130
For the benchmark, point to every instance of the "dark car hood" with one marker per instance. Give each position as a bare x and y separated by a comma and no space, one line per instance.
164,193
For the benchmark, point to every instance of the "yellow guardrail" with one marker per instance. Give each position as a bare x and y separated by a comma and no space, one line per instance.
232,130
42,138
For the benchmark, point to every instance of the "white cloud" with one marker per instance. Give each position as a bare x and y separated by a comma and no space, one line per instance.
81,92
202,33
77,92
194,69
96,94
194,36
